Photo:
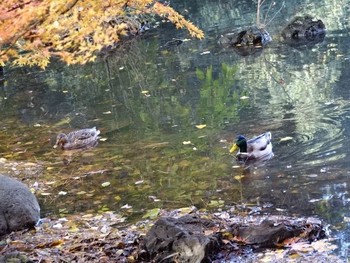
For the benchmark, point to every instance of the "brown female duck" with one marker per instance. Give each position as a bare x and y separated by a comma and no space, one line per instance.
80,139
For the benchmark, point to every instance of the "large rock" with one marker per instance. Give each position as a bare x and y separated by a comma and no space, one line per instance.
304,31
19,208
181,240
247,41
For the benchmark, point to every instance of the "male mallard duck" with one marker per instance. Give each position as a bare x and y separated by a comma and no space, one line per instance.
256,148
80,139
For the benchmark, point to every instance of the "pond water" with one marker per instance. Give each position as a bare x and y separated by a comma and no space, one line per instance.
148,99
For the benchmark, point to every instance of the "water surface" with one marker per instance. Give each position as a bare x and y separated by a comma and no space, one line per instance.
148,99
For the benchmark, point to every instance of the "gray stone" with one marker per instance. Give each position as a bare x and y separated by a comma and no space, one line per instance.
19,208
180,240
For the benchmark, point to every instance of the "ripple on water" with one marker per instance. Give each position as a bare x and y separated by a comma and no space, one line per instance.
317,140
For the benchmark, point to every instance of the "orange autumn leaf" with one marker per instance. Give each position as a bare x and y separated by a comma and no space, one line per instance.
73,30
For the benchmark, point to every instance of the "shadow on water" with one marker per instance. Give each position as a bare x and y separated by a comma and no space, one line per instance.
168,115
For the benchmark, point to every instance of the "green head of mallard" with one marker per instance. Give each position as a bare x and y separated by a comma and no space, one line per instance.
241,144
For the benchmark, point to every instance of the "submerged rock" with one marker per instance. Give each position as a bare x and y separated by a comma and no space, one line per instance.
304,31
19,208
246,41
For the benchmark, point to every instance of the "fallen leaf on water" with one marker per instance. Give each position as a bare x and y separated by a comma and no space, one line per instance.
103,139
186,210
280,209
139,182
153,198
105,184
238,177
144,91
244,97
315,200
45,194
311,175
284,139
126,206
201,126
216,203
107,112
205,52
62,193
186,142
152,214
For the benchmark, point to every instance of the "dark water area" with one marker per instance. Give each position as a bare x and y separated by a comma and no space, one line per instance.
148,98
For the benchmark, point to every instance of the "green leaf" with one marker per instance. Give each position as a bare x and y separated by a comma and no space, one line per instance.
152,214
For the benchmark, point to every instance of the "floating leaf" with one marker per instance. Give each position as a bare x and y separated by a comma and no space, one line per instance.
244,97
107,112
205,52
126,206
144,91
105,184
201,126
103,139
239,177
139,182
216,203
311,175
152,214
186,142
45,194
186,210
153,198
62,193
284,139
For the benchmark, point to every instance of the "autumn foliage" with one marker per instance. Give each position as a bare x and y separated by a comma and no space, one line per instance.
32,31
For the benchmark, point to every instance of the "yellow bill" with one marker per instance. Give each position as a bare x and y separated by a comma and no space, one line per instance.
234,148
